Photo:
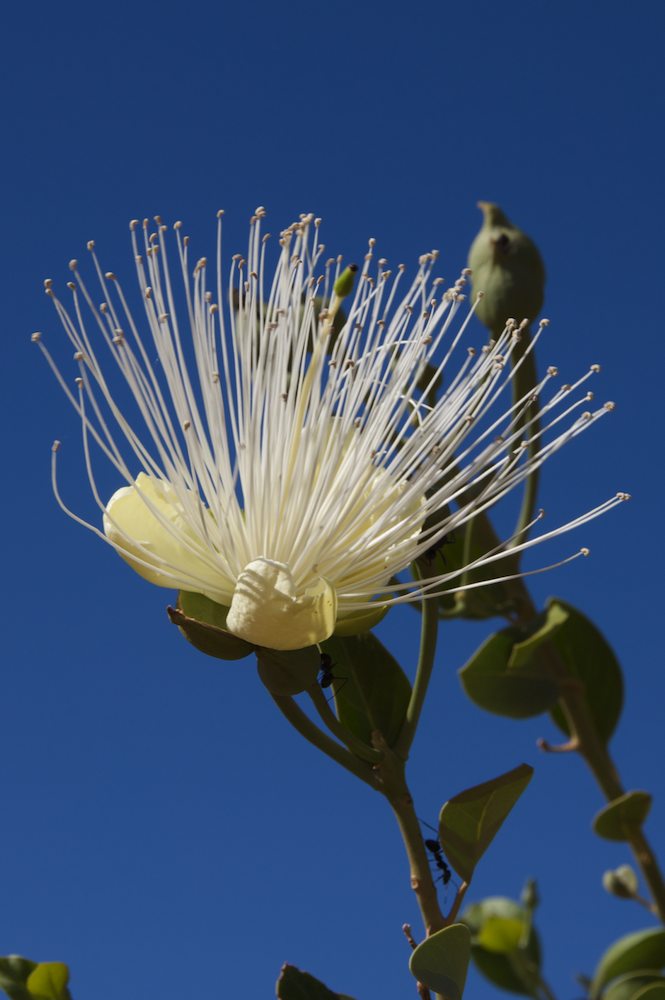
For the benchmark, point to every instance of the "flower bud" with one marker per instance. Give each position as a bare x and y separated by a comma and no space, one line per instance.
621,882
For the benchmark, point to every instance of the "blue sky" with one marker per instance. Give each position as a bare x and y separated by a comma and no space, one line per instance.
165,832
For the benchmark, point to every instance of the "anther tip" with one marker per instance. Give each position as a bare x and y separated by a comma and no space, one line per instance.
584,551
36,337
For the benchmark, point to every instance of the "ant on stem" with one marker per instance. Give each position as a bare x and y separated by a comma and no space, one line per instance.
434,847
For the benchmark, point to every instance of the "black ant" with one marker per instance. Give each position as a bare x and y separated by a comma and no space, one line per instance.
326,675
434,847
435,550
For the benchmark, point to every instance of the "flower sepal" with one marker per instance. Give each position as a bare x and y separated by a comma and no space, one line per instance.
360,621
202,622
288,671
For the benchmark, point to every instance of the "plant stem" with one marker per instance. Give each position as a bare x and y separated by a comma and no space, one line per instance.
329,719
391,774
604,770
597,756
423,991
461,893
525,379
300,721
428,634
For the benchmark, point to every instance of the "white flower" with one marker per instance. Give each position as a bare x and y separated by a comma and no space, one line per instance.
284,464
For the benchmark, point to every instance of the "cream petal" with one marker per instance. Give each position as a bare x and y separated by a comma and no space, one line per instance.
136,521
267,610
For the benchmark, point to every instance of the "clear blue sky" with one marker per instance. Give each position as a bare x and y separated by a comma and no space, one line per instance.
164,832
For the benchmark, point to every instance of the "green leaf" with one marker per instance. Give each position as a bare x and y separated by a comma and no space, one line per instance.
463,547
654,991
591,660
632,985
296,985
15,991
14,971
621,817
441,961
502,934
49,981
288,671
469,821
550,623
371,689
639,950
492,684
203,623
497,967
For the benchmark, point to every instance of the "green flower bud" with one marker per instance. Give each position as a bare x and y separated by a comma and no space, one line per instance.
508,269
344,284
621,882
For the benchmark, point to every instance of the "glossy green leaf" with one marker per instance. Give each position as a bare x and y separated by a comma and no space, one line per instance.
49,981
290,671
591,660
633,984
492,684
203,623
371,690
498,968
621,817
441,961
470,820
293,984
639,950
502,934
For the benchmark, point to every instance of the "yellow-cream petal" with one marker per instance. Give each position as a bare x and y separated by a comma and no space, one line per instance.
268,611
146,522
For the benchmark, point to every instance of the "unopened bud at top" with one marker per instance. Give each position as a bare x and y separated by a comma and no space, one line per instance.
344,284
